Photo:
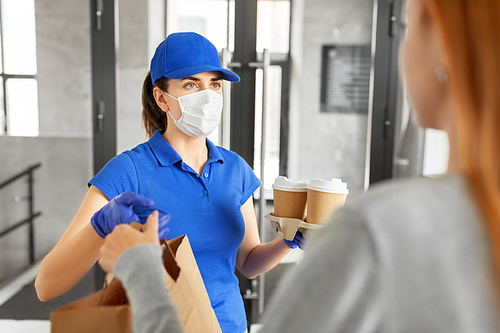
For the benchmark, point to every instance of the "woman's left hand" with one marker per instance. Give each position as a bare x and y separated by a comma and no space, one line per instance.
297,241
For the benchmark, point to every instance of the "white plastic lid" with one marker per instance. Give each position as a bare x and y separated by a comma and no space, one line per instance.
334,185
284,184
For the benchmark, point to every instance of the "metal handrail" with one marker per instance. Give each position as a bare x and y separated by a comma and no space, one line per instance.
31,214
19,175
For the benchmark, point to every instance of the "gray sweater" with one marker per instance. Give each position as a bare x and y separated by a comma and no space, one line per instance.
140,269
408,256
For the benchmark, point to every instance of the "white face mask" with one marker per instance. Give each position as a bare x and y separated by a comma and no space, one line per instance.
201,113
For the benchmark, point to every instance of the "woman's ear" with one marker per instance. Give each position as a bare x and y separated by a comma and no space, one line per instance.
434,37
160,99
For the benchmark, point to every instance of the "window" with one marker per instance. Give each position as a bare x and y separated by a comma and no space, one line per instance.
273,26
215,19
18,85
436,152
273,34
212,19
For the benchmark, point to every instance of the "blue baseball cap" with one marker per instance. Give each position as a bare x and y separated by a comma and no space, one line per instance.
183,54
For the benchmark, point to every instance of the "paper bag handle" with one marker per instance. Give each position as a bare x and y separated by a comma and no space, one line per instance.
101,298
169,260
168,256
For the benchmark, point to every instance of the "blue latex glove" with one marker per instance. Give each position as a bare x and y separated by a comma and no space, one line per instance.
118,211
162,224
297,241
162,229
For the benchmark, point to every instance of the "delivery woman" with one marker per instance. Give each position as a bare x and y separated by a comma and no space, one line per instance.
206,190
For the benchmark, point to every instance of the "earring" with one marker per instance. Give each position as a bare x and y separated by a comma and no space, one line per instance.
441,74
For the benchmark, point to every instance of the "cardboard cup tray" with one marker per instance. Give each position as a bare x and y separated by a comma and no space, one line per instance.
289,226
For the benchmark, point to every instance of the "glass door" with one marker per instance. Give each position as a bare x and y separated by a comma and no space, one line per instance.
253,39
273,38
215,20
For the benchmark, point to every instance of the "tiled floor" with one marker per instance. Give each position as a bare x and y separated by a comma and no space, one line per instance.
20,309
23,326
24,304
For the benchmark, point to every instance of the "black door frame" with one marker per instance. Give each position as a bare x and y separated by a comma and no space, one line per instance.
104,44
384,90
243,93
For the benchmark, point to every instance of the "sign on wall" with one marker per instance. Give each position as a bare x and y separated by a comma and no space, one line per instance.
345,79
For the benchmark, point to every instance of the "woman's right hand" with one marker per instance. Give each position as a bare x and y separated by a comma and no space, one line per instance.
118,211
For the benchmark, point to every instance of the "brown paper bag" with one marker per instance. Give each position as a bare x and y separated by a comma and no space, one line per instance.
108,311
186,288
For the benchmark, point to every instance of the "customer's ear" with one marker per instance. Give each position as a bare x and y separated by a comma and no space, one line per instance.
434,35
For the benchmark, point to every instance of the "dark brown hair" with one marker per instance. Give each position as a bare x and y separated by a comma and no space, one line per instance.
153,118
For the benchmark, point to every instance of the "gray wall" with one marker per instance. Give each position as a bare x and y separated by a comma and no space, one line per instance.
325,145
63,53
142,28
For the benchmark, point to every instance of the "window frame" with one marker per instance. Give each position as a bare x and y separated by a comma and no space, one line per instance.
4,131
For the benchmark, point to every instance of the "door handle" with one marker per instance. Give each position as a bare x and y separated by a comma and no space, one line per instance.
226,114
98,14
101,110
264,65
234,64
226,101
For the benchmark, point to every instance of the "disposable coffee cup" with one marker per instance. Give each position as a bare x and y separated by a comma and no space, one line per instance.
323,198
290,198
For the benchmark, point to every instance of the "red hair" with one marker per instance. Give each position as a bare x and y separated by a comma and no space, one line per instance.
470,32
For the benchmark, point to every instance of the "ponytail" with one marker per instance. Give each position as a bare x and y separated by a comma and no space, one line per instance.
153,118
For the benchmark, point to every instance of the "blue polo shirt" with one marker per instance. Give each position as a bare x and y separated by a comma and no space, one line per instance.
206,207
